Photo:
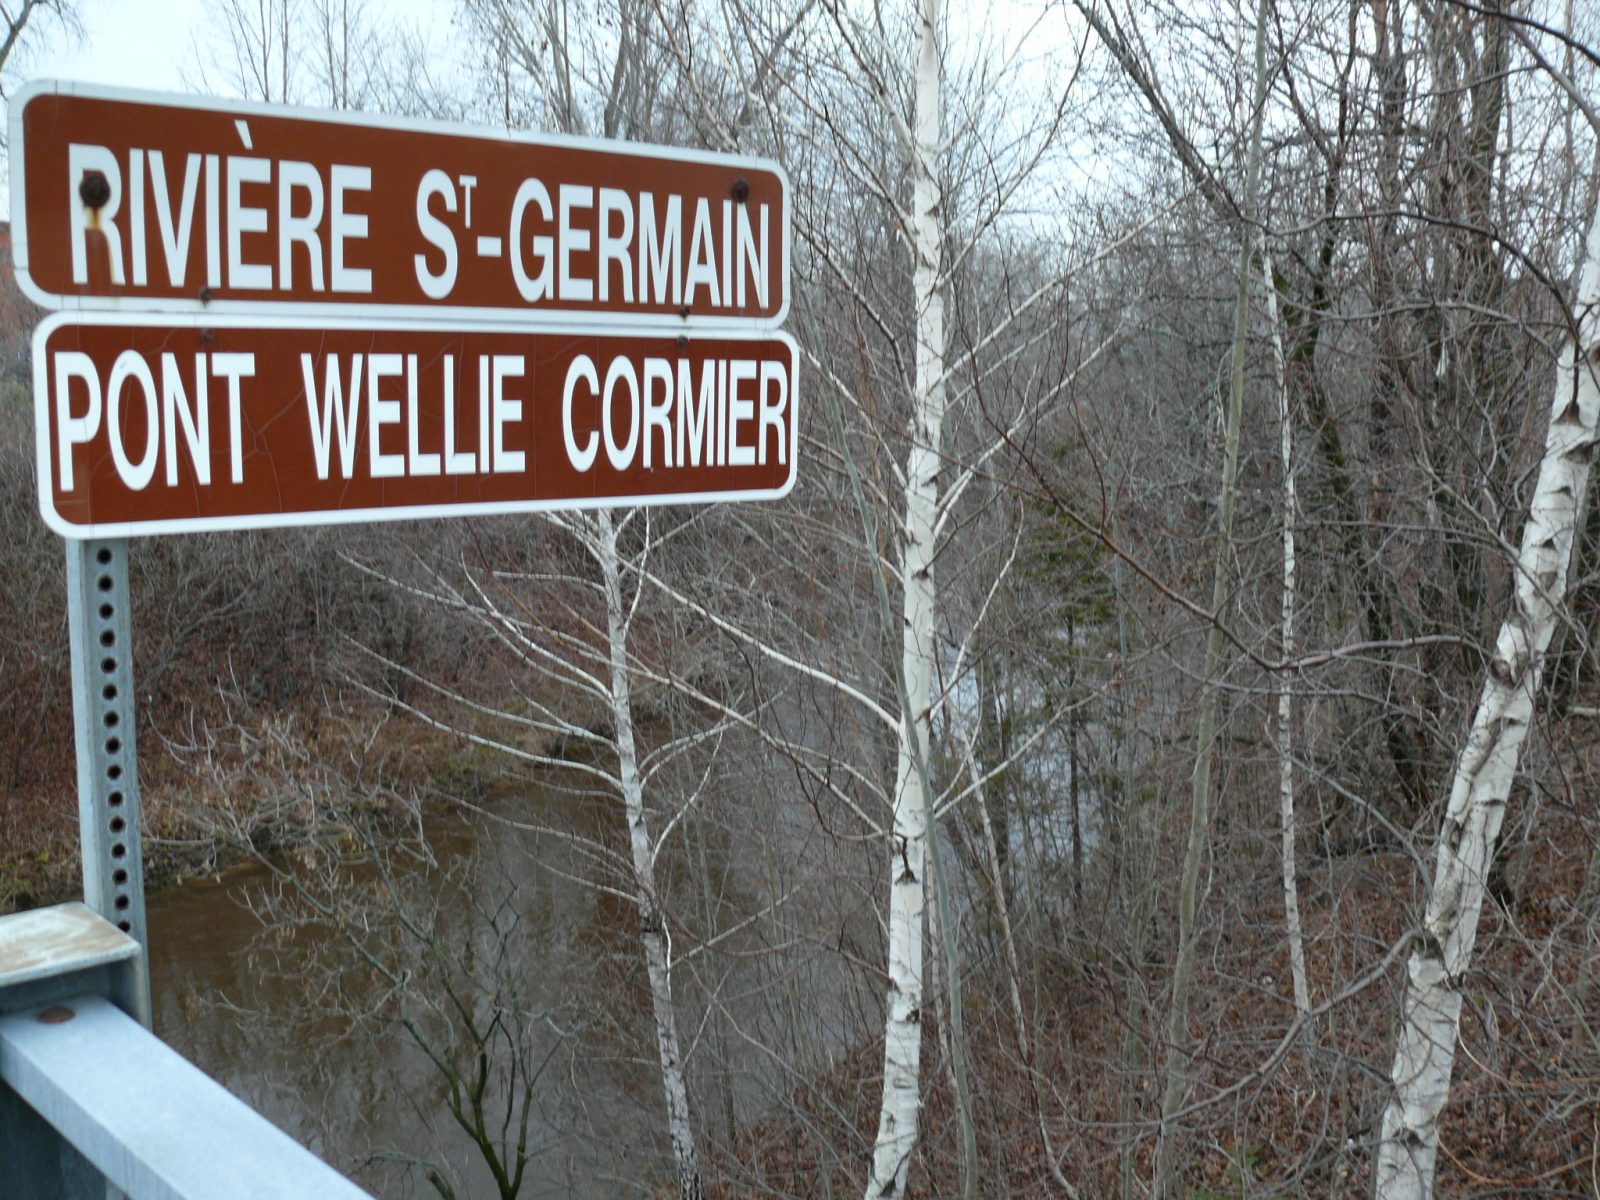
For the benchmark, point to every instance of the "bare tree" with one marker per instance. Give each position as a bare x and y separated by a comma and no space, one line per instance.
21,19
1288,825
1205,732
1442,950
259,36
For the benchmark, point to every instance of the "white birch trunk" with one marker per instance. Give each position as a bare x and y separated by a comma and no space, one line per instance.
1430,1020
1286,819
902,1051
652,928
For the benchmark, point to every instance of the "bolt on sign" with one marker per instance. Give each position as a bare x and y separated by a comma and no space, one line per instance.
149,424
143,202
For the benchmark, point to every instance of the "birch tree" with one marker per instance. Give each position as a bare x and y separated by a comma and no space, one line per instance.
887,234
902,1054
1442,948
600,536
285,49
588,665
1288,828
926,489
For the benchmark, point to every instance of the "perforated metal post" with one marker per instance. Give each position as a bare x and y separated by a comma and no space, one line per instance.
98,606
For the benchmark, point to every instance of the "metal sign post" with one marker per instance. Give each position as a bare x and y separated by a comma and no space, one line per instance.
103,716
385,320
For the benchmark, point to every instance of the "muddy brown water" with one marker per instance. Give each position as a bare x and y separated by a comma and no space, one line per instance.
258,1012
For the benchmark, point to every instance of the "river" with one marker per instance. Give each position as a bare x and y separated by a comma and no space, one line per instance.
265,1010
772,904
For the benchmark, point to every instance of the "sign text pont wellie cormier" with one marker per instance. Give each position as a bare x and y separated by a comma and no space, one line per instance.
283,317
151,425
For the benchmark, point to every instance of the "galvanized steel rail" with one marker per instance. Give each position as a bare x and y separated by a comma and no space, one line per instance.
92,1105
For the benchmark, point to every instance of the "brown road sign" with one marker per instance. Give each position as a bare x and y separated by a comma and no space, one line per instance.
150,424
145,202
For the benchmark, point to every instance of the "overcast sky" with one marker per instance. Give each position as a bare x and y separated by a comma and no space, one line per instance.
150,43
156,44
137,43
160,44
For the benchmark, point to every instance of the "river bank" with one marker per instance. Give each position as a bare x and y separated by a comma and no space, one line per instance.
203,817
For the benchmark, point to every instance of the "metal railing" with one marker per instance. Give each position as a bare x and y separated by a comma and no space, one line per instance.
95,1107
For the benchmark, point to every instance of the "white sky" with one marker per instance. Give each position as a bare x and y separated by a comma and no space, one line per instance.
158,44
161,45
136,43
151,43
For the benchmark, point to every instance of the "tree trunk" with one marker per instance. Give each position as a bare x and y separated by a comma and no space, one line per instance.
1286,819
652,929
1205,732
994,748
1074,779
1019,1015
1430,1019
902,1052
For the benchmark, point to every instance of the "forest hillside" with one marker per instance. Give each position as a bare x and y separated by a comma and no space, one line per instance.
1153,749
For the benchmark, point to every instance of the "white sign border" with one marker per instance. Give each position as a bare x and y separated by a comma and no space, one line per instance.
66,529
17,103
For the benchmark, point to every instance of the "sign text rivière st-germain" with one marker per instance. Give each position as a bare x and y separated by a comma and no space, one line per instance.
206,205
285,317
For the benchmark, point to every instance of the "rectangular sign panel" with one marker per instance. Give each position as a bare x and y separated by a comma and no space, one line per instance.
163,425
147,202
